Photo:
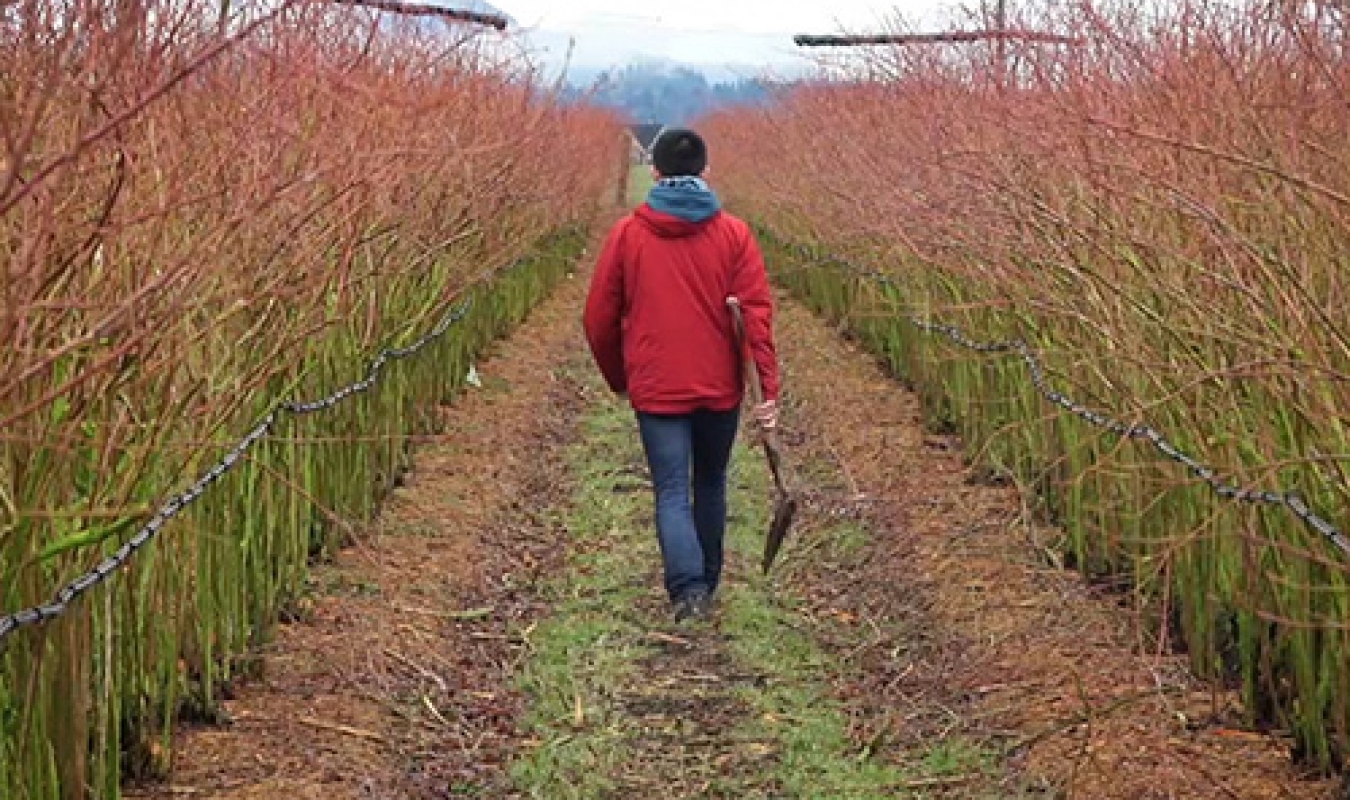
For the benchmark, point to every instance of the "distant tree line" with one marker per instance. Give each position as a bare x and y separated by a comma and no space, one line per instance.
666,93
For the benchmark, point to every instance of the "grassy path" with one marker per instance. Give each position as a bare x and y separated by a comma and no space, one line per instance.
629,704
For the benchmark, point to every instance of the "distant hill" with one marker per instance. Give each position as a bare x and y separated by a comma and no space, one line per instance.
666,92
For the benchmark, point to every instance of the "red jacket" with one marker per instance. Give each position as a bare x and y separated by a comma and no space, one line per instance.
656,316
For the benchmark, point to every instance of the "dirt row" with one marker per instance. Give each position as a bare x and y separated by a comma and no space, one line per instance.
1002,646
396,676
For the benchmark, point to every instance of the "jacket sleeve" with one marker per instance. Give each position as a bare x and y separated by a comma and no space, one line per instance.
603,319
750,283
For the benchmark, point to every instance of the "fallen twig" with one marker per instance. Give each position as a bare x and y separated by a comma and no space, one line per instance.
942,780
348,730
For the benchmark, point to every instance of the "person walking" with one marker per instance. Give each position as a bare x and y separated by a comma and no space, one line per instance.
658,326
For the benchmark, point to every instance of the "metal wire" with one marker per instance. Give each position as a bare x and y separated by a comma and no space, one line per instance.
106,568
1223,488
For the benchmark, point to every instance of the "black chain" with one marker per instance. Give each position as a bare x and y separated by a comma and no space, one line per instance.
106,568
1226,489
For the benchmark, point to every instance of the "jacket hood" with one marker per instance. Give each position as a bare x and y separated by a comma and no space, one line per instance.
668,226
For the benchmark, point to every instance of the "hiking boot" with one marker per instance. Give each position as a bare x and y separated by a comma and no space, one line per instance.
695,606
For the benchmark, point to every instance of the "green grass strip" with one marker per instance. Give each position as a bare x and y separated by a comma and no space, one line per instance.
589,645
795,709
745,710
639,183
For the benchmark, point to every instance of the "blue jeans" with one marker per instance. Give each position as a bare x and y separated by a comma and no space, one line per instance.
690,530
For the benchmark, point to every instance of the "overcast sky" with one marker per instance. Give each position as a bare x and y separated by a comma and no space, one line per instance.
752,33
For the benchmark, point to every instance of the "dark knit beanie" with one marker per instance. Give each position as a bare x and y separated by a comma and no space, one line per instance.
679,152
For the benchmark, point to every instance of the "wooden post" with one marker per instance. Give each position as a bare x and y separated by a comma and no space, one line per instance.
426,10
951,37
999,34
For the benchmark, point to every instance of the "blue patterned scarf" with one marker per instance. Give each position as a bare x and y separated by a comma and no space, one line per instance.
684,197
